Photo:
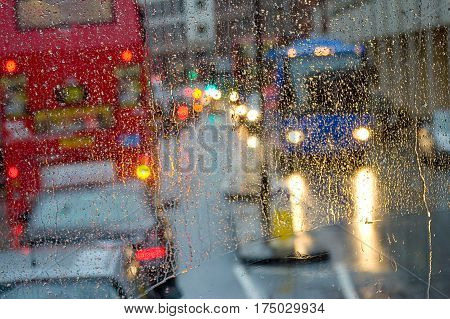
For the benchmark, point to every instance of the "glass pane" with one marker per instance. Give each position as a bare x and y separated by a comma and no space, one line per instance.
40,14
224,148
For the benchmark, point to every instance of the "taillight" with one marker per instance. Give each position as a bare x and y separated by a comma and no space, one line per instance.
17,230
129,85
12,172
14,96
151,253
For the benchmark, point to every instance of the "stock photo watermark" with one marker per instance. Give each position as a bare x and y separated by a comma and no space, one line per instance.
209,148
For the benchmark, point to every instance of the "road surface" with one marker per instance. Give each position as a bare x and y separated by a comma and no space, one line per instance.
384,225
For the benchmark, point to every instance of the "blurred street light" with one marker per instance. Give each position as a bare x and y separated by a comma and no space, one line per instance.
234,96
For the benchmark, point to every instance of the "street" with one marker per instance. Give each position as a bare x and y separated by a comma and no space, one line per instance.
401,254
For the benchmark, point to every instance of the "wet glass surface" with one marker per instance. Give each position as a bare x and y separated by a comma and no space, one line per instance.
224,149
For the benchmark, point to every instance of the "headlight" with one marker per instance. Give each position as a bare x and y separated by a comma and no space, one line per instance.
216,95
361,134
295,136
252,141
234,96
241,110
253,115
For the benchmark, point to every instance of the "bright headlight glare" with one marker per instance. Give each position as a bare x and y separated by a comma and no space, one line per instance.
234,96
216,95
252,115
252,141
295,136
361,134
241,110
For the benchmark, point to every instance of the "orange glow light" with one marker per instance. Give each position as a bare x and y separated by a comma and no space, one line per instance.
127,56
183,112
198,107
10,66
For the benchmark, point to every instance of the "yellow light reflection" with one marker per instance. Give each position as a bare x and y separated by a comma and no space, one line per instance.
297,190
143,172
368,248
365,195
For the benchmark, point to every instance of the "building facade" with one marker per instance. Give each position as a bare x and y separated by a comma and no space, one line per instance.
187,34
408,40
178,32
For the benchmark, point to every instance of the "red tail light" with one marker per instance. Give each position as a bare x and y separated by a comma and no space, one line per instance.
147,254
17,230
12,172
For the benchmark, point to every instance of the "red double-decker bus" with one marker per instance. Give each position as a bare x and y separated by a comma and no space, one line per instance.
73,96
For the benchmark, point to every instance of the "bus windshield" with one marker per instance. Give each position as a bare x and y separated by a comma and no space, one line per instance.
328,84
42,14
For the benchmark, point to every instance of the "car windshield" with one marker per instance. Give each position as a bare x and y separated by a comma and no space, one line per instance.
112,208
60,289
42,14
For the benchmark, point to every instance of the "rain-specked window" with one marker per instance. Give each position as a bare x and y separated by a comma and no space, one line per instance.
224,149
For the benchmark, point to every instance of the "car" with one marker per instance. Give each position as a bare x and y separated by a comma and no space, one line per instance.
99,271
389,119
120,211
434,138
249,114
320,102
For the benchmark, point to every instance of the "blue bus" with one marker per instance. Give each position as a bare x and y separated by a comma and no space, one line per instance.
323,98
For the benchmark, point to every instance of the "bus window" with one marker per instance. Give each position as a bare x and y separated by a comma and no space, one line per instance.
42,14
328,84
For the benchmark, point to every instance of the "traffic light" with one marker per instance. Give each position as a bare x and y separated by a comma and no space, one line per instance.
213,91
183,112
197,94
192,75
234,96
198,107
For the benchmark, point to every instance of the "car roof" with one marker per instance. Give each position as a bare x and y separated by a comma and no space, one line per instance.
103,260
120,208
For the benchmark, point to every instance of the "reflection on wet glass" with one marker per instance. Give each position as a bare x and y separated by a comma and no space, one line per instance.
368,248
297,191
365,192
